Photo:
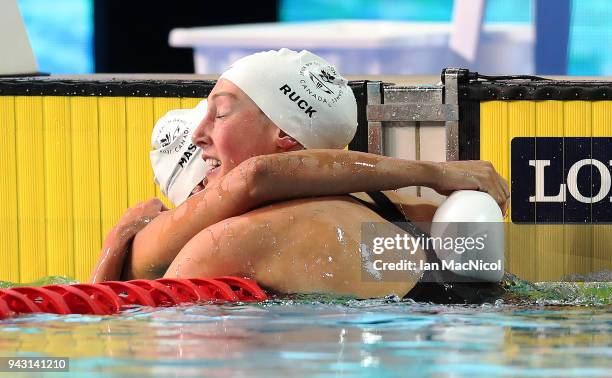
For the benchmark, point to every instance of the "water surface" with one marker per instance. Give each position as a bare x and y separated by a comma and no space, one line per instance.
328,338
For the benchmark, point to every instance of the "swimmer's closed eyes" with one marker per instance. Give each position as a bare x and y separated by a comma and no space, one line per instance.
222,110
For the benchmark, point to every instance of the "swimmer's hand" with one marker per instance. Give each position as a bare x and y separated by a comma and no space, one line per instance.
117,243
137,217
472,175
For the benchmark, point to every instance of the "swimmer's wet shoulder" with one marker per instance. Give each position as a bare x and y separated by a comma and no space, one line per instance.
306,245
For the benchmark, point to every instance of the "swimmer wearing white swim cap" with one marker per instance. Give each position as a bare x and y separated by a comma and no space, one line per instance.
275,206
301,93
176,161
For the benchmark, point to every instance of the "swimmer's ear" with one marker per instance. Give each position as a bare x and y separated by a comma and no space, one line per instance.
287,143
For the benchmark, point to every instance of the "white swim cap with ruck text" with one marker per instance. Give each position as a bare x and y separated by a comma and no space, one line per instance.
301,93
177,162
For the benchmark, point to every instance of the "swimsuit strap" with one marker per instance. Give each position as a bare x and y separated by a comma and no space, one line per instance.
391,213
442,287
388,210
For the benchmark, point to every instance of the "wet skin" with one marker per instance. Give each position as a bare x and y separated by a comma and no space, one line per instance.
306,245
218,232
291,246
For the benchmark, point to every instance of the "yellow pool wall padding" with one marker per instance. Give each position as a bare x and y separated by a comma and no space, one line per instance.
71,166
546,252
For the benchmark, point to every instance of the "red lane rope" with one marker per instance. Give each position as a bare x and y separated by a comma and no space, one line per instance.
130,294
18,302
160,293
245,289
217,290
78,301
5,311
109,297
46,300
103,296
184,290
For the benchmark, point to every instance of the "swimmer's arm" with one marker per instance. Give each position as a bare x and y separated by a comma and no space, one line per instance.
112,256
277,177
333,172
156,246
117,242
254,182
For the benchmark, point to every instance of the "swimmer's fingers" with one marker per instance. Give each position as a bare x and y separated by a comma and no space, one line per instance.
502,195
491,182
152,208
506,207
505,193
137,217
505,187
497,191
503,204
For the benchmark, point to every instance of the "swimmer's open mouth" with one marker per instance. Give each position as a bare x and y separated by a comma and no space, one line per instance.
213,163
201,185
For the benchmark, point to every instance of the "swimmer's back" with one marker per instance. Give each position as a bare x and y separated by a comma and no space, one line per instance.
305,245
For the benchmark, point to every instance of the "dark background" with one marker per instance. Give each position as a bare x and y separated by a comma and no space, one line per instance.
562,153
132,36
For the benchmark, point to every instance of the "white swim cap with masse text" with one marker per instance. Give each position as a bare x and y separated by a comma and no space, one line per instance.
177,162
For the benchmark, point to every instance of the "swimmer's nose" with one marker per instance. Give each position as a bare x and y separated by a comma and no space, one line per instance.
201,135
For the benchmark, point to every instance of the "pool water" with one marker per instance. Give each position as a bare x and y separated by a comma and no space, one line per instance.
324,336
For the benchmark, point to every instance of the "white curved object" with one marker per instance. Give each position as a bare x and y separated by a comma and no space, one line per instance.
17,55
472,214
